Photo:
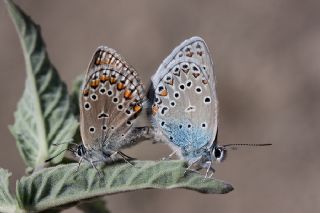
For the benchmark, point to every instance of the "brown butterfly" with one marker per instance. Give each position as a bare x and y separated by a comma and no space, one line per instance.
111,99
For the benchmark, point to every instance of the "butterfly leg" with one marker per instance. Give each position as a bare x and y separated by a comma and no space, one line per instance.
208,169
125,157
94,166
208,166
169,156
191,163
79,163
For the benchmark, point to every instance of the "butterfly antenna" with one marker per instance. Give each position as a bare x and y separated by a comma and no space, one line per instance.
247,144
68,142
48,160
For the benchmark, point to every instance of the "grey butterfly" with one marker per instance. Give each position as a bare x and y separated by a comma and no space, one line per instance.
111,99
184,106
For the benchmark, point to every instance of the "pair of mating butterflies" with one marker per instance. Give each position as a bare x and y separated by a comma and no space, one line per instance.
181,104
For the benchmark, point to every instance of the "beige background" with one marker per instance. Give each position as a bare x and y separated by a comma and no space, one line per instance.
267,64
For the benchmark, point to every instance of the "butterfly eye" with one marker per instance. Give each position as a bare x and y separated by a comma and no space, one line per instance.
219,153
81,150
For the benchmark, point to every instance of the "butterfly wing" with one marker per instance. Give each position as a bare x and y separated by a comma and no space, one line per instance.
110,100
183,96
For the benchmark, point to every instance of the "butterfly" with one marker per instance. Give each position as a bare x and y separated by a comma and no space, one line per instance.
111,99
183,106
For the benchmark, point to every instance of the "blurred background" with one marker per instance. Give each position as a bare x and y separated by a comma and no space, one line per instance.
267,66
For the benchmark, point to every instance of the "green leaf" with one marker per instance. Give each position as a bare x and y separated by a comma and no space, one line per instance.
61,185
97,205
7,202
43,116
76,86
75,92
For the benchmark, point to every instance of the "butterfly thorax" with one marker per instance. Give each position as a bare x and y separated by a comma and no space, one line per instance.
95,154
202,154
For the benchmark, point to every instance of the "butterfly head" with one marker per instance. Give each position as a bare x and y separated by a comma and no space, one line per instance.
219,153
79,150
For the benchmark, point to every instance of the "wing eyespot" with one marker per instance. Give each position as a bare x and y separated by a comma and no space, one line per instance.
92,129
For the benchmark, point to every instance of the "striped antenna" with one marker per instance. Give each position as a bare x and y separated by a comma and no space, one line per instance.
248,144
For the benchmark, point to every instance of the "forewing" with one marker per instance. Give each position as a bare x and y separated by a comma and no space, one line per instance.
183,96
111,99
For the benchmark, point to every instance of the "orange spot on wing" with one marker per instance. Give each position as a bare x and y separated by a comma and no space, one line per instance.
204,81
164,92
106,60
98,60
155,109
120,86
113,80
104,78
137,108
85,92
111,60
128,94
94,83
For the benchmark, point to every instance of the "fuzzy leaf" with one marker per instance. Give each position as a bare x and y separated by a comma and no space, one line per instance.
7,202
76,85
43,114
75,92
61,185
